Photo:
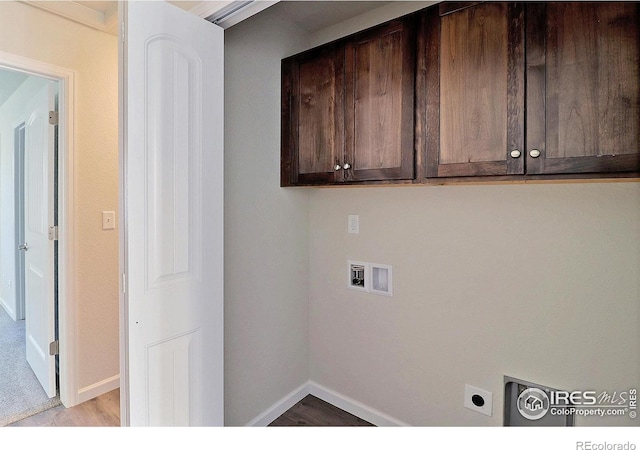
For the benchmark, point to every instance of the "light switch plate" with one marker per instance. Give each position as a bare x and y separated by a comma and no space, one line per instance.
108,220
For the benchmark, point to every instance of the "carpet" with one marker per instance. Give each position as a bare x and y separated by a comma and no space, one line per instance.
20,392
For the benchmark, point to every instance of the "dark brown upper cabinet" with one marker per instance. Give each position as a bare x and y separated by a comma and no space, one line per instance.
348,109
567,73
474,89
312,140
583,87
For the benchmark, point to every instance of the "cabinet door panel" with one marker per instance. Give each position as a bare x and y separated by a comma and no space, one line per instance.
313,117
591,86
473,86
379,103
479,100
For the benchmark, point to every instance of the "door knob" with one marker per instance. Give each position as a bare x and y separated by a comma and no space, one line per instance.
515,154
24,247
346,166
534,153
338,167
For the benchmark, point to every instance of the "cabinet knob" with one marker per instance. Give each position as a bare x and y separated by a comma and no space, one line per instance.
338,167
346,166
515,153
534,153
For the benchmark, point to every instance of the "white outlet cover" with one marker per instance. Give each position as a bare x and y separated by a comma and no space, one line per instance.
486,408
353,224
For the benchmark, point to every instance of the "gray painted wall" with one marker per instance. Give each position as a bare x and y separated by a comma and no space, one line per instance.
266,228
539,282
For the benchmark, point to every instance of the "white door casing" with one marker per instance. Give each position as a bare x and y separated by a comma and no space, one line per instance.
39,254
171,210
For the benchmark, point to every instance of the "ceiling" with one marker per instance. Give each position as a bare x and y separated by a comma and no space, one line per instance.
316,15
309,15
103,15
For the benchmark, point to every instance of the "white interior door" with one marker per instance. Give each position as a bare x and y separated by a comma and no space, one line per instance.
172,205
38,211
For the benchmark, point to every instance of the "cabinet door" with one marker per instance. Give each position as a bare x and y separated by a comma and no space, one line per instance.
474,87
313,117
380,78
583,87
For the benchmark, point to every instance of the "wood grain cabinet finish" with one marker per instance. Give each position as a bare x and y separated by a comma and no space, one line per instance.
474,89
312,141
348,109
379,103
565,72
583,87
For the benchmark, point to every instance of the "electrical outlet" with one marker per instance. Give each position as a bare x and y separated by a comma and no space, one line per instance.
478,400
353,224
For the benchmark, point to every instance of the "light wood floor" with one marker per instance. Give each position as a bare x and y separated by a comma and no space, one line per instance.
104,411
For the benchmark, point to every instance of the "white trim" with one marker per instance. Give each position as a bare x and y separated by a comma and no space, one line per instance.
280,407
208,8
205,9
66,213
122,217
354,407
343,402
99,388
10,312
76,12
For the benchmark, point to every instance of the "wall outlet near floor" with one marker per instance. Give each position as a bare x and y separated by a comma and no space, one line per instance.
478,400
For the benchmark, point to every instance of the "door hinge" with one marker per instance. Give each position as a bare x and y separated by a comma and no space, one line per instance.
53,233
124,283
54,348
53,117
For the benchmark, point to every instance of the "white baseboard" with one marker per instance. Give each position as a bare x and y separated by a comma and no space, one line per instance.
343,402
11,312
99,388
279,407
354,407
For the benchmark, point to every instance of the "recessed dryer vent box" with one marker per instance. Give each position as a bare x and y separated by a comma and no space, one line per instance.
527,404
381,279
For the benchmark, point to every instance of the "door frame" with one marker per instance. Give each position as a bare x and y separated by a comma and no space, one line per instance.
19,136
67,330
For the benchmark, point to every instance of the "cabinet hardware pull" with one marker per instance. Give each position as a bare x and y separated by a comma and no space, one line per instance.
515,153
338,167
534,153
346,166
